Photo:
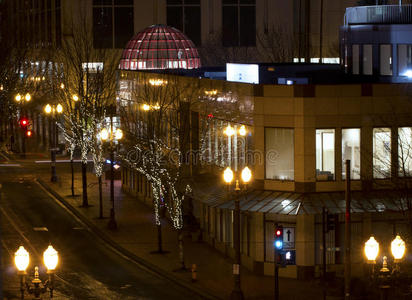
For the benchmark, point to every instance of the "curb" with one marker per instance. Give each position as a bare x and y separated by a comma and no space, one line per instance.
122,251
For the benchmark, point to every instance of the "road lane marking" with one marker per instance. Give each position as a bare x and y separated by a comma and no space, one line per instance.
10,165
60,161
40,229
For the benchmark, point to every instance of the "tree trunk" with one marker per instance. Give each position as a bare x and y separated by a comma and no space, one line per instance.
181,252
84,181
100,198
159,238
72,169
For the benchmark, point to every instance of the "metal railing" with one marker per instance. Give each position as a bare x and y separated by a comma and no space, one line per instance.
378,14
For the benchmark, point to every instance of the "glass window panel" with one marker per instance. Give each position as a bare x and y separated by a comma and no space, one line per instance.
175,17
404,59
351,151
405,151
192,24
247,26
230,26
367,59
123,25
171,2
325,154
102,2
385,59
102,27
123,2
381,152
355,59
279,156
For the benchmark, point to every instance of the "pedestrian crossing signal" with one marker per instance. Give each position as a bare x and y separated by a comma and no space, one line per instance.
278,237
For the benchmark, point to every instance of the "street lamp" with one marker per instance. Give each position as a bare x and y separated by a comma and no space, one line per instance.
50,260
228,176
52,110
112,136
371,250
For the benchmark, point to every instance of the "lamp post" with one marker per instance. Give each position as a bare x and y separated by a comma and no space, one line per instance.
53,110
21,99
228,176
112,136
37,287
371,250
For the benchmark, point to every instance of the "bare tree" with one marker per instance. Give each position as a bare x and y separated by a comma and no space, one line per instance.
87,77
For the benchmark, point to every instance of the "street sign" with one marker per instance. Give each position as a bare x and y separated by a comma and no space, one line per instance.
289,237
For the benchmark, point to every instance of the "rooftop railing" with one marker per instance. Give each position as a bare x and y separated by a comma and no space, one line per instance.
379,14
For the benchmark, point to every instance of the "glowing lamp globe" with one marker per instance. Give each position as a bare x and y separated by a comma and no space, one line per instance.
104,134
18,97
50,258
118,134
228,175
145,107
246,175
21,259
242,130
59,108
398,248
229,130
27,97
75,98
371,249
48,108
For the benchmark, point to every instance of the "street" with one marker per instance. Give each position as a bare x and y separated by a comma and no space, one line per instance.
87,268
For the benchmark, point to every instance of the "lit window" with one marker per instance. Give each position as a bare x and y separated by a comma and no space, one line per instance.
355,59
385,59
405,60
325,154
279,156
351,151
405,151
367,60
381,152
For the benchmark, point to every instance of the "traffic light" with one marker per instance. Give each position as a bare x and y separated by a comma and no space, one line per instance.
278,237
330,222
28,133
24,122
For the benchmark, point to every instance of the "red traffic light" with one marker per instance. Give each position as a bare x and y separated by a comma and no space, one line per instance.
28,133
278,232
24,122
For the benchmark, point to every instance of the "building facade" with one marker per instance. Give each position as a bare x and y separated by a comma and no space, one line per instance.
239,30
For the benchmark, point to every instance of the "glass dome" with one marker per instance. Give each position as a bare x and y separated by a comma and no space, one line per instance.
159,47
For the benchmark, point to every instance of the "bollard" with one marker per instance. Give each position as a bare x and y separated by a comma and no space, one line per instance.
194,273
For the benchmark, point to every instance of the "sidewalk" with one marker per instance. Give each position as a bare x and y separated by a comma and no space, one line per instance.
137,234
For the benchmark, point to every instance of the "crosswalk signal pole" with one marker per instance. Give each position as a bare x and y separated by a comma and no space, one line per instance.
277,249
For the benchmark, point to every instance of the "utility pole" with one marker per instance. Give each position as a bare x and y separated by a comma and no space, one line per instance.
347,233
324,214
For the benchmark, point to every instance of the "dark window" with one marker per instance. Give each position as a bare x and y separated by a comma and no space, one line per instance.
113,23
230,26
58,25
123,17
185,16
102,27
239,22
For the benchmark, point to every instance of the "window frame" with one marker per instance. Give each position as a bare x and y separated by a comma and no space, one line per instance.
334,152
360,153
239,5
265,150
373,153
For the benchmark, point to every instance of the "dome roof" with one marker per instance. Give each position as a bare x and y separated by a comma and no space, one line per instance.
159,47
